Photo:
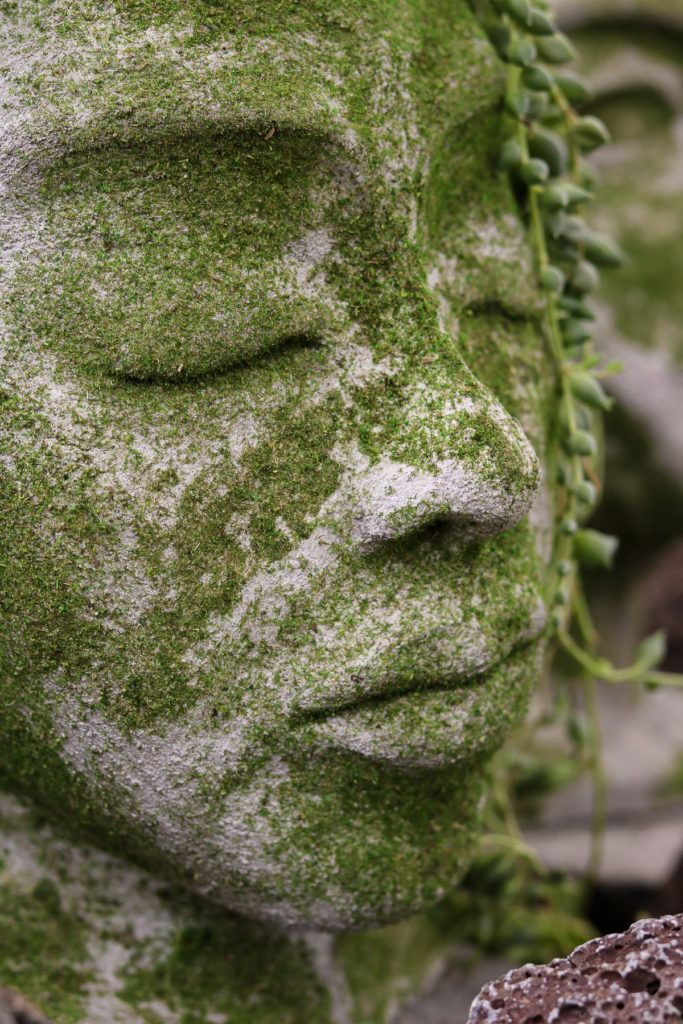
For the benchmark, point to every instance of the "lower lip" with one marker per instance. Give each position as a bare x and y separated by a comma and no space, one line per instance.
433,729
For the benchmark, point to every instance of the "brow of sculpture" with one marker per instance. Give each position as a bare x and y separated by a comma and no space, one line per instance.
274,416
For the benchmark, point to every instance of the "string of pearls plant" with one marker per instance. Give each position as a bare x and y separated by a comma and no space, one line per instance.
546,139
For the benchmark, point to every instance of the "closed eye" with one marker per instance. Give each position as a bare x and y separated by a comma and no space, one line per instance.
179,261
284,350
498,309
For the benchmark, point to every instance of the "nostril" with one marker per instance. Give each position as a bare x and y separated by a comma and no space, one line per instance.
438,533
393,500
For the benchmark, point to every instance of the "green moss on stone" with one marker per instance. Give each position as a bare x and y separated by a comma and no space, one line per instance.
221,965
42,950
236,285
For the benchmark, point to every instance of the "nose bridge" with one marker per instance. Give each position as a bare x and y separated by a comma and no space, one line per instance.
456,455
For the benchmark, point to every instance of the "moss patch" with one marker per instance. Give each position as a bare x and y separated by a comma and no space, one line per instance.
42,950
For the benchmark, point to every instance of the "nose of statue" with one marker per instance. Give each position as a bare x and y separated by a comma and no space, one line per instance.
453,455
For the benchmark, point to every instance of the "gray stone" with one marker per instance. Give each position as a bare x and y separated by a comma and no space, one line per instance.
275,456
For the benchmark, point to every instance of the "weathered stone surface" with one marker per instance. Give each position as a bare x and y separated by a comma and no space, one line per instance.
91,939
633,978
275,409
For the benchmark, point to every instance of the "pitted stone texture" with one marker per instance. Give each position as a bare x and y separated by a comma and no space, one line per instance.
634,978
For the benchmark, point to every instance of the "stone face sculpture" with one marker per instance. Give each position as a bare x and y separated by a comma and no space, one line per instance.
273,412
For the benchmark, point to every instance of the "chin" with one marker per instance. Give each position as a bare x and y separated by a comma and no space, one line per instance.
346,847
318,831
370,900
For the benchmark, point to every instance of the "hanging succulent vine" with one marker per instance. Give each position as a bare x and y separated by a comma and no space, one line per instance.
545,142
546,139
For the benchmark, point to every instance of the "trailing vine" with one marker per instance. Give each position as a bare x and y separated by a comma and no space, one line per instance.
546,139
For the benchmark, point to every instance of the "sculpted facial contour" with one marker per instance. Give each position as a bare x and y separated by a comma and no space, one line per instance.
273,596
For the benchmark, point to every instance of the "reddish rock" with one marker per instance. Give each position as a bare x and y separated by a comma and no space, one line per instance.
634,978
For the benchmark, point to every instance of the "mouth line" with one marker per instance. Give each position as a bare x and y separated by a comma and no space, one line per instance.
379,700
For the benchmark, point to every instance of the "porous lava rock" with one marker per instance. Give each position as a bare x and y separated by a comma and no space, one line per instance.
632,978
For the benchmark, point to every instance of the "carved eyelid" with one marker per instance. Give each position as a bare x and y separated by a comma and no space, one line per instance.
305,331
498,307
120,131
292,343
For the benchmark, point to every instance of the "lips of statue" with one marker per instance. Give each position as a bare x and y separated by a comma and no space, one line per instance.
273,597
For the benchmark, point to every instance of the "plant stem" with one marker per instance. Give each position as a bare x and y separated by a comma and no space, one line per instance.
521,849
597,769
608,673
583,618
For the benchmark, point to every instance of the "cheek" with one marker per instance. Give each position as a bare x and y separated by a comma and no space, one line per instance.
135,513
51,529
159,503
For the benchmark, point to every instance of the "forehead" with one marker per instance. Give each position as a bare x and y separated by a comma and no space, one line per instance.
387,74
405,20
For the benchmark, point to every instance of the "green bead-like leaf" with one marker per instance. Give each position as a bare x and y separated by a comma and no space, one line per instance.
586,492
603,251
575,87
550,147
568,527
539,24
576,195
510,156
584,279
517,104
538,106
557,619
590,391
574,229
519,10
574,333
581,443
594,549
521,52
590,132
576,307
500,35
556,49
535,172
652,651
566,251
552,279
554,223
537,78
555,197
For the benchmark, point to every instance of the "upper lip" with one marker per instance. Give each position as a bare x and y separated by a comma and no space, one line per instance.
361,688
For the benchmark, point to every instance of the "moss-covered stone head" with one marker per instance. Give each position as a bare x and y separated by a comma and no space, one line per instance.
274,413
